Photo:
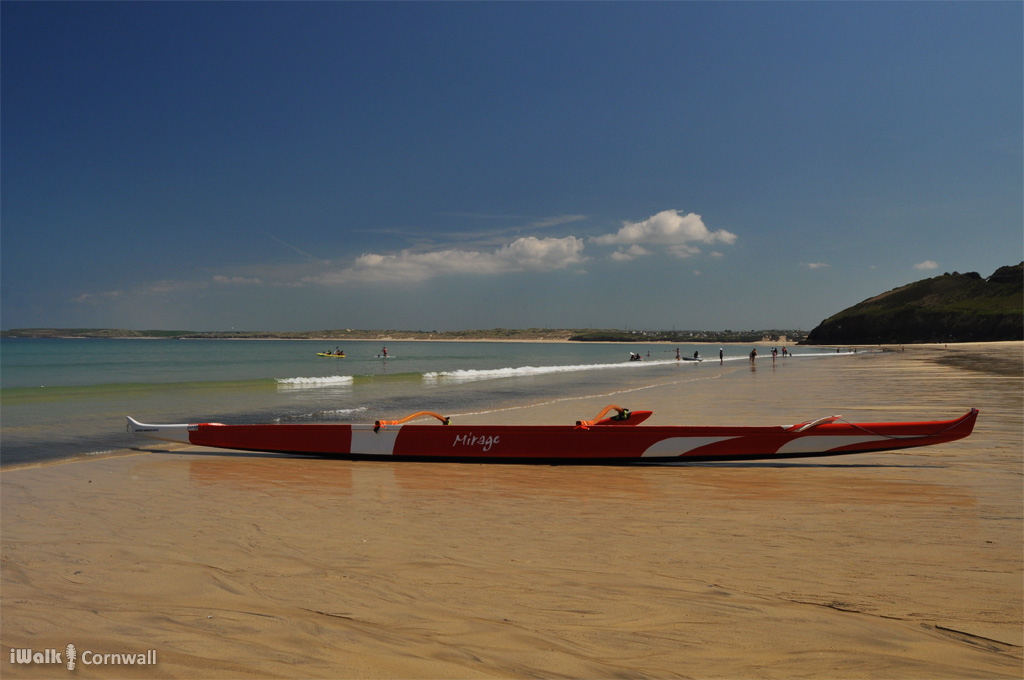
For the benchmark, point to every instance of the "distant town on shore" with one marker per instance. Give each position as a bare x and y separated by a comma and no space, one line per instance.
494,334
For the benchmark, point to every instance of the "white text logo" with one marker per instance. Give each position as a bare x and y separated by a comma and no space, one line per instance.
87,658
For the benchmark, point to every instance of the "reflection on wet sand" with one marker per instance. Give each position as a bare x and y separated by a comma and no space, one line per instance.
276,475
270,475
726,482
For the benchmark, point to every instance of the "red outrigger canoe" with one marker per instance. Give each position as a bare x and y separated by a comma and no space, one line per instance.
613,439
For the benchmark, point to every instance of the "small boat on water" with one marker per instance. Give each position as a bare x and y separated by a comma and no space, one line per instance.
606,439
331,355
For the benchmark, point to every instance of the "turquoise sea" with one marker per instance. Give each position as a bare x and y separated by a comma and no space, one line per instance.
63,398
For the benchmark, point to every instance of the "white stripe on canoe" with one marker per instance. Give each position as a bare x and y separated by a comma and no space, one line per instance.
369,443
822,443
677,446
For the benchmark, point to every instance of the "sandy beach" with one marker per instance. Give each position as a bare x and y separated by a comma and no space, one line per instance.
237,565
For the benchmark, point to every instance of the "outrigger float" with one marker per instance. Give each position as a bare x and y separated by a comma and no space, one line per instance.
606,439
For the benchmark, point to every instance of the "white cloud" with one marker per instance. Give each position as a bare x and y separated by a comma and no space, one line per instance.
927,264
556,221
630,253
524,254
817,265
545,254
667,231
668,228
171,286
683,251
92,298
236,280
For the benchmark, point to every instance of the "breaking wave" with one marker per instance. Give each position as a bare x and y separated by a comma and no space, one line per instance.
323,381
466,375
326,415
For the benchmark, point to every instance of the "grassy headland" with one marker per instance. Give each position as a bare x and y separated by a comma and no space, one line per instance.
949,308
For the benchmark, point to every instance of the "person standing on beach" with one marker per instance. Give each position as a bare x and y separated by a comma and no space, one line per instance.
753,354
721,355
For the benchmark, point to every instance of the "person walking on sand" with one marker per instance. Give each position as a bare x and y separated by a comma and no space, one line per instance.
753,354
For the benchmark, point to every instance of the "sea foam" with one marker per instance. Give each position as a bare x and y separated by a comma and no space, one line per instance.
322,381
466,375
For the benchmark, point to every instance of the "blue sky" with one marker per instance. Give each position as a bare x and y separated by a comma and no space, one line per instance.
300,166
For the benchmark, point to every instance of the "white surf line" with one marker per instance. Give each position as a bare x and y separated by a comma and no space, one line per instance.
312,382
323,414
472,374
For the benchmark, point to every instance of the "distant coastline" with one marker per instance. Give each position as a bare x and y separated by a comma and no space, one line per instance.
781,336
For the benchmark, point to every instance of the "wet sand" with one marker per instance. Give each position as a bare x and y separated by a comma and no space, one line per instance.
887,565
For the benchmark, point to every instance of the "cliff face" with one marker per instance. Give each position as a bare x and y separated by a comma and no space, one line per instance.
948,308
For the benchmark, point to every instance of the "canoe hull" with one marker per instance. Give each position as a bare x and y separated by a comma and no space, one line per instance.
565,443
